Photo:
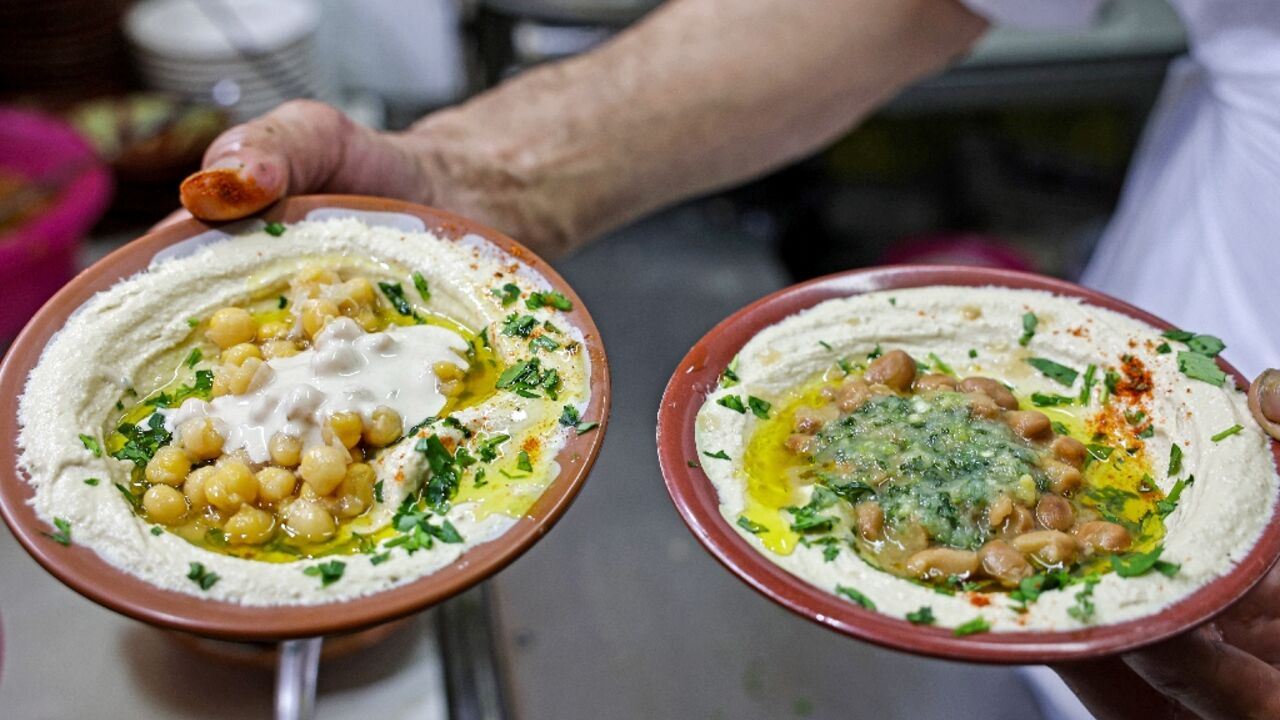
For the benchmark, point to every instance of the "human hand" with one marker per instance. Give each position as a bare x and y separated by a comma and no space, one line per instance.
1227,669
305,146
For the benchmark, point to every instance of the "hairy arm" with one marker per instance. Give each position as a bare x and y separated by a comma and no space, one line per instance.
699,95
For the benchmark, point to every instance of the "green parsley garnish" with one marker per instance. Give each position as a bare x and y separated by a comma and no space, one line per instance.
63,534
91,444
972,354
759,407
516,325
543,342
379,558
1099,452
1175,459
1170,501
488,449
141,442
420,283
718,455
729,377
1087,390
1046,400
976,625
548,299
1060,428
939,365
377,491
193,322
91,481
194,357
1060,374
921,616
1227,433
202,577
1083,609
1029,323
1163,348
522,462
583,428
508,294
329,572
1139,563
395,293
733,402
875,353
443,483
157,530
274,229
282,302
857,597
134,501
754,528
825,345
1201,367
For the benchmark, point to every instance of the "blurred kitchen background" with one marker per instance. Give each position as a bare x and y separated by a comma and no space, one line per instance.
1013,158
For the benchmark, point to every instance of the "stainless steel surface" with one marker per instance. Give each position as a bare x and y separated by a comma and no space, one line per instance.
472,671
296,672
619,613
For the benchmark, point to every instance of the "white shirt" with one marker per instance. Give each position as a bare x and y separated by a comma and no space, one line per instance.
1196,236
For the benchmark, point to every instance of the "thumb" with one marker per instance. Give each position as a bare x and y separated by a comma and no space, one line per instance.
302,146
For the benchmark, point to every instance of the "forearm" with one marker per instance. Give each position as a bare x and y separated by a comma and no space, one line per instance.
701,94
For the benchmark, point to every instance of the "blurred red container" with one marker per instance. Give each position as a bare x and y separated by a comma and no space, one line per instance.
38,256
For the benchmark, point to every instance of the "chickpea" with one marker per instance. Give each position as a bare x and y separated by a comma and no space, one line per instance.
910,538
1050,546
798,443
279,349
169,466
1069,450
286,450
315,275
360,290
346,426
1002,562
240,380
355,494
452,388
870,520
164,504
851,395
272,330
1063,478
1101,535
231,485
1020,520
200,438
447,371
1055,513
367,320
384,427
231,326
249,526
275,484
982,405
316,313
895,369
935,381
308,520
941,562
992,389
807,421
998,511
193,487
237,354
323,467
1029,424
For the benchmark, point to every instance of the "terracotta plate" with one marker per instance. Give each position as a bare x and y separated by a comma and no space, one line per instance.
82,569
696,499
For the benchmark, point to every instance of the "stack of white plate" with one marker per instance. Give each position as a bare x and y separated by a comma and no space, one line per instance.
246,55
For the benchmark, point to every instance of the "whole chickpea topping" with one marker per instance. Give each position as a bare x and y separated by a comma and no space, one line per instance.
169,466
275,483
193,487
323,467
1003,562
870,520
355,494
272,330
279,349
1100,535
1069,450
895,369
164,504
1052,547
231,326
935,381
798,443
231,485
982,405
237,354
384,427
1055,512
249,526
309,520
941,562
316,313
852,394
346,426
807,421
1029,424
285,450
1063,478
200,438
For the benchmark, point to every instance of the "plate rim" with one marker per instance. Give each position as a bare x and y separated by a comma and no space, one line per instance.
85,572
697,500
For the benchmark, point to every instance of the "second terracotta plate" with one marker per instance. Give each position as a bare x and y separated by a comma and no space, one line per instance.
699,504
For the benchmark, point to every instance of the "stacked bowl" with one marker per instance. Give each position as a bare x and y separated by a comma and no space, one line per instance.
245,55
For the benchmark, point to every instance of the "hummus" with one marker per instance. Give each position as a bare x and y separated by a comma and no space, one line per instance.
1173,454
443,376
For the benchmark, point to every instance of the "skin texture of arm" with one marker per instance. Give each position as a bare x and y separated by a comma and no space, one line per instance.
699,95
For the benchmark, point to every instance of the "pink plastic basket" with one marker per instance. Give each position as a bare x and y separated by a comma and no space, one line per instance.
39,256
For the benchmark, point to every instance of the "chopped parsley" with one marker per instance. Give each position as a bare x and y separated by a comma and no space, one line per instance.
583,428
972,354
1056,372
508,294
1029,323
91,481
193,322
1030,589
517,325
202,577
1099,452
1170,502
488,449
921,616
692,463
1060,428
193,357
718,455
1140,563
974,626
443,482
380,558
1206,345
395,293
825,345
1083,609
526,378
857,597
142,442
729,377
733,402
1175,459
939,365
1227,433
62,535
1110,380
1087,390
759,407
543,342
1046,400
1201,367
456,424
274,229
420,283
91,444
157,530
875,353
377,491
329,572
130,497
548,299
282,302
523,462
754,528
1163,348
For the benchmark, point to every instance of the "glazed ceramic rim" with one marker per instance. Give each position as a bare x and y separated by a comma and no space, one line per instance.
698,502
85,572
